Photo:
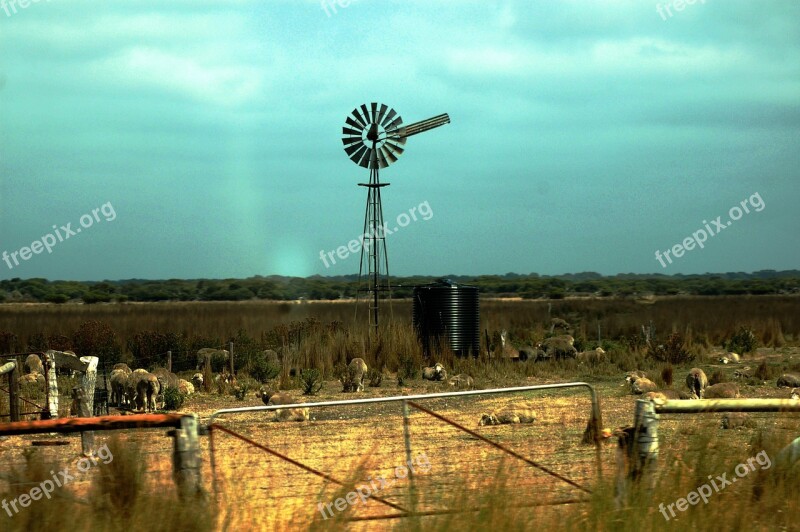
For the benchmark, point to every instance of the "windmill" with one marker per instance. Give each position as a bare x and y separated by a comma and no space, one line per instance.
374,138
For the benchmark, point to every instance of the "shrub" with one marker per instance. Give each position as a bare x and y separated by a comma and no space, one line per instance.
173,398
375,378
672,351
262,370
240,390
765,372
744,341
666,374
717,377
311,381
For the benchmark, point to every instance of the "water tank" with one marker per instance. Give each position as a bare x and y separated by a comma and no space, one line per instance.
447,311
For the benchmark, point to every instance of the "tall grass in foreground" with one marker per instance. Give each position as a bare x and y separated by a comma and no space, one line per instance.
120,497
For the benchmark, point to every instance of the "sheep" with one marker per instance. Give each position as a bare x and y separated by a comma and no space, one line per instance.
594,356
744,373
352,376
509,415
216,357
185,387
197,380
736,420
633,375
31,378
643,385
697,382
271,398
795,393
723,390
730,358
461,381
166,379
122,366
434,373
666,395
118,382
558,323
130,387
789,380
559,347
147,390
33,364
532,354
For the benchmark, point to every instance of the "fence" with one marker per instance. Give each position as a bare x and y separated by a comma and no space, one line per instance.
21,469
393,457
661,429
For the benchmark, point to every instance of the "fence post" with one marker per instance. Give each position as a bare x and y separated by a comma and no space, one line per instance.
637,452
407,444
52,385
231,353
10,369
169,361
646,442
186,463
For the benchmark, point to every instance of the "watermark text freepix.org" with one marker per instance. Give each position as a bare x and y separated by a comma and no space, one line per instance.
60,479
10,6
700,236
354,246
48,241
704,491
364,492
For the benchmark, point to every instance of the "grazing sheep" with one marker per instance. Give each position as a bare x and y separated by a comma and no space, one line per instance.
744,373
119,380
353,376
33,364
185,387
729,358
271,398
558,323
509,415
197,380
736,420
131,382
123,367
650,396
723,390
559,347
435,373
643,385
531,353
461,381
147,390
595,356
795,393
789,380
697,382
166,378
216,357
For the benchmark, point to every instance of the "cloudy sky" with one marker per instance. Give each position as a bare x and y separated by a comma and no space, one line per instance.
192,139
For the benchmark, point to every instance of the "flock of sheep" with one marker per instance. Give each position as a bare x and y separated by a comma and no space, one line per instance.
141,390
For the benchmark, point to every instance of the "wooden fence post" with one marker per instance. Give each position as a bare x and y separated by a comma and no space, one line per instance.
637,452
169,361
186,461
10,369
52,385
231,353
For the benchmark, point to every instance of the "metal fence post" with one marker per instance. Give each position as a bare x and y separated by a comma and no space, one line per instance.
186,461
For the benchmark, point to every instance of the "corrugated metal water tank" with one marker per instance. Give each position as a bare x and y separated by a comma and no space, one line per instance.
446,310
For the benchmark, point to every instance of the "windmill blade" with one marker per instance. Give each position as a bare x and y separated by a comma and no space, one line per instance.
351,140
365,158
380,155
374,115
381,113
364,115
357,154
387,155
353,132
394,149
351,121
389,117
424,125
349,150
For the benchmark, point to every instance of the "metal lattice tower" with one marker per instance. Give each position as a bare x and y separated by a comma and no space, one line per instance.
373,138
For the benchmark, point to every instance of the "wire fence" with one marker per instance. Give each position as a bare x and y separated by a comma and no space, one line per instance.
402,456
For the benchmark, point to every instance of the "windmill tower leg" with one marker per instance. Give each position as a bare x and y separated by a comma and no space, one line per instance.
374,259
